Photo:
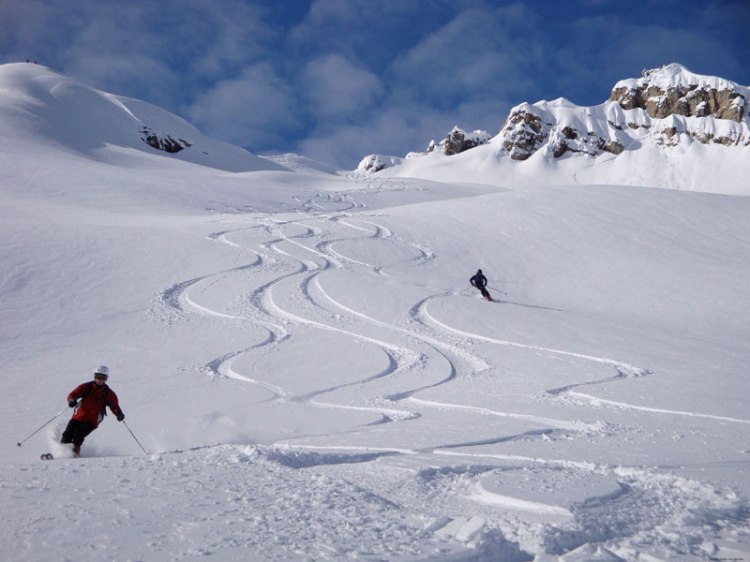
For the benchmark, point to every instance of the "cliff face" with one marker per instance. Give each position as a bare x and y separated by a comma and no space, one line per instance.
530,128
672,90
670,105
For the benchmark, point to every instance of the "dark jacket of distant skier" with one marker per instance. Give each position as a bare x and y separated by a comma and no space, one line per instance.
479,281
95,397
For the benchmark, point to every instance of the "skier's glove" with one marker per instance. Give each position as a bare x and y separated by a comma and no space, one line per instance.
120,416
73,403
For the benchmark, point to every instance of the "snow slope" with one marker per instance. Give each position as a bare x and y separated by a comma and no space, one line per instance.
313,379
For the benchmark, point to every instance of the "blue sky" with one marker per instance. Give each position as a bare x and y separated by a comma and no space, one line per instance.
339,79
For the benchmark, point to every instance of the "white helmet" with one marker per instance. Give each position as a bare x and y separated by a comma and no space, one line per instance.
102,370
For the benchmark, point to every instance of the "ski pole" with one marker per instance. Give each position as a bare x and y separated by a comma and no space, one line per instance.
41,428
134,437
498,290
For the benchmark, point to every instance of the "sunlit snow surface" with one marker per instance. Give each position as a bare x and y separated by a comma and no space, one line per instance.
313,378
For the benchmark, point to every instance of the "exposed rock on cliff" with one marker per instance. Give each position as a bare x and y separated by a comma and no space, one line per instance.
165,143
459,141
673,90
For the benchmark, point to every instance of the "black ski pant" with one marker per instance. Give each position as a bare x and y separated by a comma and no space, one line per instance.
484,291
76,432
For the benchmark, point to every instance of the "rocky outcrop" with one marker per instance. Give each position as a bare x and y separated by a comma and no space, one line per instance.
530,128
376,162
570,140
661,98
667,105
671,95
523,133
165,143
459,141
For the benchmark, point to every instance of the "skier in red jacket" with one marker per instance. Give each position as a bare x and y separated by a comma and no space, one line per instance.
94,398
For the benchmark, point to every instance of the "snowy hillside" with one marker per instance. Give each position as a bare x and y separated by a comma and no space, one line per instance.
312,377
671,128
38,105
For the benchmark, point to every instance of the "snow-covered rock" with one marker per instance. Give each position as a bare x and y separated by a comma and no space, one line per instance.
670,105
376,162
558,127
674,90
680,105
458,141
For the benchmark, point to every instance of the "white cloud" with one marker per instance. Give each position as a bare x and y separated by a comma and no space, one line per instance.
256,109
332,24
474,53
337,90
222,40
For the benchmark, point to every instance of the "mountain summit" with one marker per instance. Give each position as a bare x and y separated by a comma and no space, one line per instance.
692,128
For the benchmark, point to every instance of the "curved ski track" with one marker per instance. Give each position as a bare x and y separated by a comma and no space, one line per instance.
296,253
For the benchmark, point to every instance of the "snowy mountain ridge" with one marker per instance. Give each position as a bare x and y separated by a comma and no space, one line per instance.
669,114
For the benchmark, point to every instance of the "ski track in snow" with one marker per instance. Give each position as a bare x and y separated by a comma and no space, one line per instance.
303,249
601,401
623,369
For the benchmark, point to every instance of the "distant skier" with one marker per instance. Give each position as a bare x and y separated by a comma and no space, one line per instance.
479,281
94,398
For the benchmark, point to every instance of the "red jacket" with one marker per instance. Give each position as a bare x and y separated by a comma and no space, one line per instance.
95,400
